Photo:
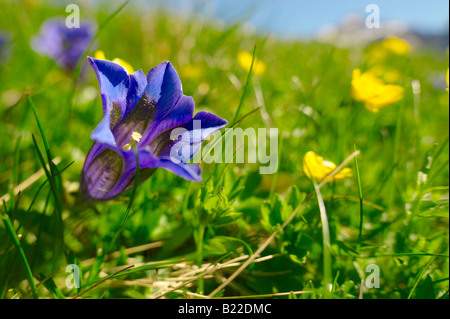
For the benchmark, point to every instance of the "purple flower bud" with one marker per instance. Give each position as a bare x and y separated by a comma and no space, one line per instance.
62,44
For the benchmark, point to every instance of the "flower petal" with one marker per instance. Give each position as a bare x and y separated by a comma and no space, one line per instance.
138,82
210,123
102,133
158,133
195,132
163,88
189,172
114,83
148,163
64,45
101,173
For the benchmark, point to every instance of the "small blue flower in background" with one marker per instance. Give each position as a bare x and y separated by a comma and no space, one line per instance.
142,111
5,41
62,44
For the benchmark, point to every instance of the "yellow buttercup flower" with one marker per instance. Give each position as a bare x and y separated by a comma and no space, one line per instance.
396,46
380,51
366,87
447,81
101,56
245,61
315,166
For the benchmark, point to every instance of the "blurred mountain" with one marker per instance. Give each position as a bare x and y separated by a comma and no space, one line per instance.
438,41
352,31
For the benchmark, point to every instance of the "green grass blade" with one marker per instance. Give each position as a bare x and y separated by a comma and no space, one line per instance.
14,175
59,248
275,176
16,241
49,283
52,175
52,165
361,201
247,84
41,130
43,164
405,255
420,275
222,174
327,268
48,174
200,234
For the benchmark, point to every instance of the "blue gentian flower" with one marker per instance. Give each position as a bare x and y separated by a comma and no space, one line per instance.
142,111
62,44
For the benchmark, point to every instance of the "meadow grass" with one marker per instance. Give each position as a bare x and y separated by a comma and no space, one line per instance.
260,236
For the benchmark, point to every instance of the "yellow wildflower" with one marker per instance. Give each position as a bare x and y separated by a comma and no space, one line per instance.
315,166
379,52
101,56
245,61
396,46
366,87
447,81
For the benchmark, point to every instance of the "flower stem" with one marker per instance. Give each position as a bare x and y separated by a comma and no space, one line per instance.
397,141
244,93
361,201
200,235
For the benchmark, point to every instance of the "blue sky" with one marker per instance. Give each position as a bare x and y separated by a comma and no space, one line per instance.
305,17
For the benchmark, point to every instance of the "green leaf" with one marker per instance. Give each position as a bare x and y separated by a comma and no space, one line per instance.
226,219
275,215
51,286
425,290
251,184
298,247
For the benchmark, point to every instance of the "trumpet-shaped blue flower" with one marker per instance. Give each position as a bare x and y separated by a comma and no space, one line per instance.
143,111
62,44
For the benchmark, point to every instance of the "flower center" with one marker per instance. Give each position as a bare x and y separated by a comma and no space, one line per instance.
135,138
